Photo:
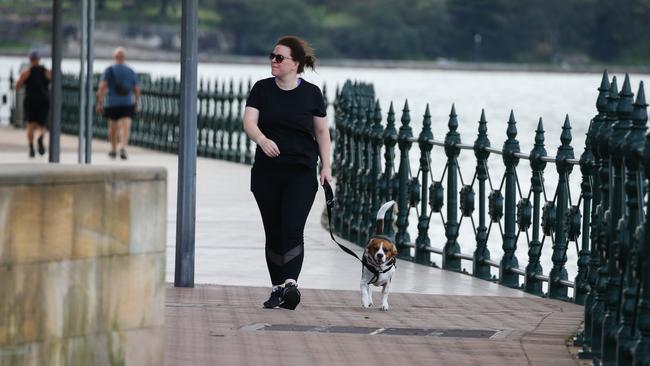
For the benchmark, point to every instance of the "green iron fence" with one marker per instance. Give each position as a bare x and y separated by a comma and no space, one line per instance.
156,125
373,165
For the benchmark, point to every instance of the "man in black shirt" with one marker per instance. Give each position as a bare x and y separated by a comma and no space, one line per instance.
36,104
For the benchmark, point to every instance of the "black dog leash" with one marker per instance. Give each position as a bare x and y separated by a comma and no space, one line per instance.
329,202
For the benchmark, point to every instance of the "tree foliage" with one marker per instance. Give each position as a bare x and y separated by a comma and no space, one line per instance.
485,30
468,30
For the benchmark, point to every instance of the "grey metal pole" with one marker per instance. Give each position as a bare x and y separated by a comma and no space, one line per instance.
82,79
55,101
186,206
90,80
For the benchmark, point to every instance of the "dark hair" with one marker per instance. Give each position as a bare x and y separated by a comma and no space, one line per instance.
301,51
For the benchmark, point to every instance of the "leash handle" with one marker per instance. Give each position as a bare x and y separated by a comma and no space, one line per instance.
329,195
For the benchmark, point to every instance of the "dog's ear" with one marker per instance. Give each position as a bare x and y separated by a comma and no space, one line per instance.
373,245
393,250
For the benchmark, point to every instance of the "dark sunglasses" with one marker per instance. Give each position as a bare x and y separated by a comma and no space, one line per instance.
278,58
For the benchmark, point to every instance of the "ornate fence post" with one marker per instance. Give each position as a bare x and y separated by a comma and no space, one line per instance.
248,153
358,227
481,269
642,349
168,119
628,147
608,349
161,116
340,112
375,166
531,283
353,166
556,290
422,242
221,122
366,218
342,176
388,178
161,133
598,251
240,137
582,278
450,260
201,117
12,98
176,118
230,124
214,120
587,280
507,277
404,139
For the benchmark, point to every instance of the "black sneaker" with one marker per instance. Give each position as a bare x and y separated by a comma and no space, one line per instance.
275,299
123,154
31,151
112,154
41,147
290,296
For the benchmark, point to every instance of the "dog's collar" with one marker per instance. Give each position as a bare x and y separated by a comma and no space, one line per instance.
374,269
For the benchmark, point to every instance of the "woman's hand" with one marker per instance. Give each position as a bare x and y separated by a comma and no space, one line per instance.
269,147
325,175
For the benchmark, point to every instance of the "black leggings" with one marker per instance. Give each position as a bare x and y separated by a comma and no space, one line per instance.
284,195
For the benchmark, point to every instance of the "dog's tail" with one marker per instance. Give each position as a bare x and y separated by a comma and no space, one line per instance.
379,225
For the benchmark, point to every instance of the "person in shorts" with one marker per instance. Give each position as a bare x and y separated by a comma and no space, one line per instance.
119,84
36,104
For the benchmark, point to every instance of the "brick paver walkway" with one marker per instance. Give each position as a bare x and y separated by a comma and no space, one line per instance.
224,324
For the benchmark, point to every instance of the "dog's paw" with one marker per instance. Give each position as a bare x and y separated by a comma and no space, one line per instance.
367,305
385,306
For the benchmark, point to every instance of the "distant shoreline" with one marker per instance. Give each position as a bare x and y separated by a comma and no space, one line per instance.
165,56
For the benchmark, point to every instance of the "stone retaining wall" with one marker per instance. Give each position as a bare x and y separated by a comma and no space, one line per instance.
82,265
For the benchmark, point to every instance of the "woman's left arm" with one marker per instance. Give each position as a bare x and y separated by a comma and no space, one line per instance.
322,132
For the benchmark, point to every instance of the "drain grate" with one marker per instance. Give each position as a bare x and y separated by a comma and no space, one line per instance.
419,332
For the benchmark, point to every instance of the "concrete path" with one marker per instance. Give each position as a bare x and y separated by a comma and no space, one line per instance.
223,323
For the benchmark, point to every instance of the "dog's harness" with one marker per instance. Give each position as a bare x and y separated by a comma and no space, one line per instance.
329,202
375,271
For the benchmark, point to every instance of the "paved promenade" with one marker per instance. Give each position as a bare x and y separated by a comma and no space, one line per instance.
436,317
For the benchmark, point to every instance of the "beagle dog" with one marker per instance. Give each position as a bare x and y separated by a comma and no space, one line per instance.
378,262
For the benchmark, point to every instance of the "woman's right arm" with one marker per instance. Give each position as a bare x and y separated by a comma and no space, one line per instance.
251,116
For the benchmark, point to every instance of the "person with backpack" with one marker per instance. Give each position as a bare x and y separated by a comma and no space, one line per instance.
120,84
36,104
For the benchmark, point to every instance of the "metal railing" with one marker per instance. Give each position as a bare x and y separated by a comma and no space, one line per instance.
612,239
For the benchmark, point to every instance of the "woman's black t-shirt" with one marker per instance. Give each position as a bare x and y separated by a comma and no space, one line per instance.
287,118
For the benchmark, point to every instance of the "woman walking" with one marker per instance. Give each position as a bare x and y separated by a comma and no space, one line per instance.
286,117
